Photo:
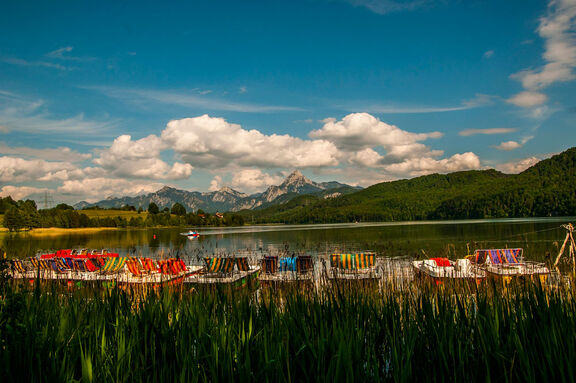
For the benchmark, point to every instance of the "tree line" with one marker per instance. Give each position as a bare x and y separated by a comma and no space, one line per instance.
25,215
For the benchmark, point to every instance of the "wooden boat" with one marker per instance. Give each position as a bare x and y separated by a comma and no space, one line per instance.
442,269
235,272
507,263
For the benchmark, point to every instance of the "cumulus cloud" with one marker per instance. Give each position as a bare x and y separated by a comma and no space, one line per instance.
557,28
359,131
13,169
528,99
427,165
95,189
508,145
211,142
512,145
472,132
251,180
140,159
215,184
20,192
366,157
517,166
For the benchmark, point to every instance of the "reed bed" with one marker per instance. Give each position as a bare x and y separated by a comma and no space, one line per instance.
523,332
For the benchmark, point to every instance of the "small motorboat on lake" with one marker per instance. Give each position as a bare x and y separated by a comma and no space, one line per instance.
191,234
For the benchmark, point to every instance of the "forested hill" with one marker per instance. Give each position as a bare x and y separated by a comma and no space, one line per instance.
546,189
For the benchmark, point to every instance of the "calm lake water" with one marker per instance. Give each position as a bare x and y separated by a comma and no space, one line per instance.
538,237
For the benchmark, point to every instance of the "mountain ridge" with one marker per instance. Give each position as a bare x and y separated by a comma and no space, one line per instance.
224,199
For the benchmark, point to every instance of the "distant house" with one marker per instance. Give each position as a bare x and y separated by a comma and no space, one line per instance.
219,215
202,216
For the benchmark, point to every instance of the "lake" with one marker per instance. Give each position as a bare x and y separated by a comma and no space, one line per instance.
540,238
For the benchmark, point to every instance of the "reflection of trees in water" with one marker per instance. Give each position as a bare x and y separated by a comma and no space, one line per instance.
414,240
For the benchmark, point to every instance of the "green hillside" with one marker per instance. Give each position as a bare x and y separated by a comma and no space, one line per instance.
545,189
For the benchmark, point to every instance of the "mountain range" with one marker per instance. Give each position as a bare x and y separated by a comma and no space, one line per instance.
545,189
228,199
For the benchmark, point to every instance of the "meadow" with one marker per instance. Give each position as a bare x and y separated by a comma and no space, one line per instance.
101,213
523,332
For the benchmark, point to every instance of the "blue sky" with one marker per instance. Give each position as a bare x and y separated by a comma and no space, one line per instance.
114,98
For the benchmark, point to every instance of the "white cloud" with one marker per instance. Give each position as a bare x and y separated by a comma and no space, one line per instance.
13,169
58,154
479,100
488,54
359,131
427,165
517,166
21,114
214,143
528,99
20,192
215,184
251,180
557,28
63,54
513,145
383,7
472,132
27,63
367,157
95,189
508,145
140,159
145,96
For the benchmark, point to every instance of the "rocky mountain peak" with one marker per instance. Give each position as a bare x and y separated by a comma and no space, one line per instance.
165,189
296,178
228,190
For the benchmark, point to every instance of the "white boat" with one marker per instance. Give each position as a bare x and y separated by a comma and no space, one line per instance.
191,234
441,269
507,263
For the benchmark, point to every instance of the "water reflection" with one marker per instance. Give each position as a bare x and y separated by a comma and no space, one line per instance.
414,239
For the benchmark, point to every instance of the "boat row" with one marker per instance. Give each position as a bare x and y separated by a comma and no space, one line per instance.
503,263
238,270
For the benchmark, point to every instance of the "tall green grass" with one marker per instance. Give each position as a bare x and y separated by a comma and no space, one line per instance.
523,333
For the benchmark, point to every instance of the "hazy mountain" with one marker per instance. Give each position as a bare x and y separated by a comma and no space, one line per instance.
227,199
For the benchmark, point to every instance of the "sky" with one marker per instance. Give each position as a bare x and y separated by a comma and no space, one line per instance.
117,98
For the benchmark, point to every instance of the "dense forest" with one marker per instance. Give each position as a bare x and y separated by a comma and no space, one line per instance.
546,189
24,215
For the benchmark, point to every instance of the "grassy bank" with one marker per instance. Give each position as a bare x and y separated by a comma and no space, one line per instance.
524,333
96,213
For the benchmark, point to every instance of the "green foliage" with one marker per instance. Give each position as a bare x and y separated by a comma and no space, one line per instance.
153,208
63,206
546,189
6,203
13,219
343,334
178,209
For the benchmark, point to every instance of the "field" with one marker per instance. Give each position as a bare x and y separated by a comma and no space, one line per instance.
113,213
523,332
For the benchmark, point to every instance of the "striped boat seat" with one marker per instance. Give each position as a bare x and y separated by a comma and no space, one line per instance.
304,263
270,264
242,264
